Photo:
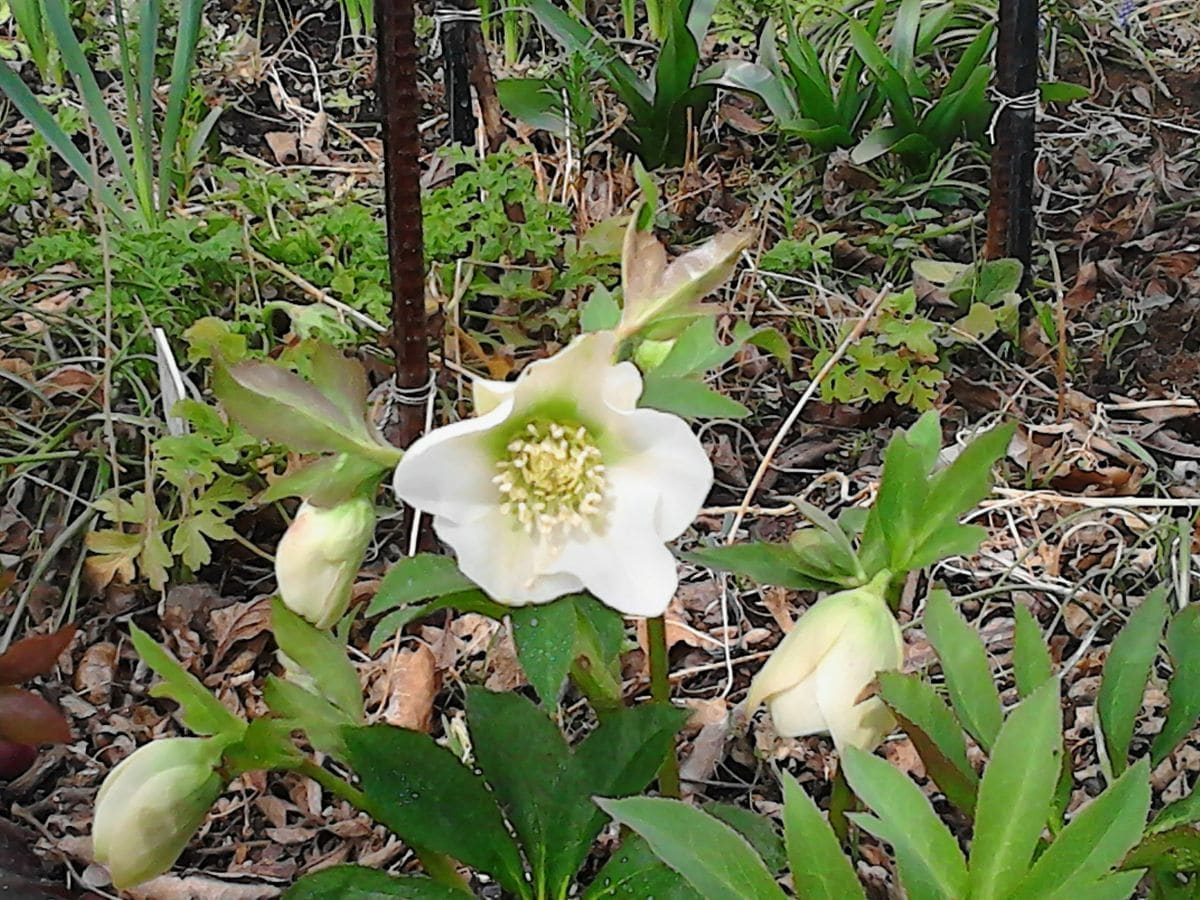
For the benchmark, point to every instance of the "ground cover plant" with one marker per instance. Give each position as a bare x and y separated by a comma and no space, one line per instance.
764,539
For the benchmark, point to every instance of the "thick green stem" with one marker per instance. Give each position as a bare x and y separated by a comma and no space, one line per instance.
660,690
439,867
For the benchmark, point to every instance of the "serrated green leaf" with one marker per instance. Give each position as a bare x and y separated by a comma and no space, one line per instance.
759,561
1123,683
201,711
936,734
1183,690
601,311
969,682
820,869
931,864
634,871
1031,657
322,656
1096,840
1015,794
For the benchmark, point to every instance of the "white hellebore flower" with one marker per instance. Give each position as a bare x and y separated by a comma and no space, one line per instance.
561,483
151,804
814,681
319,556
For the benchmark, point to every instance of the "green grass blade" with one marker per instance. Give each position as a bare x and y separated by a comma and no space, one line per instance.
93,100
28,106
971,59
181,70
143,162
28,15
889,80
148,24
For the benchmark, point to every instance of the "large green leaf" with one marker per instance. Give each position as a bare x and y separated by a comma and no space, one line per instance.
903,485
931,863
820,870
712,856
546,790
965,665
689,397
634,871
1015,794
201,711
1096,840
360,883
535,101
1126,670
1183,645
424,794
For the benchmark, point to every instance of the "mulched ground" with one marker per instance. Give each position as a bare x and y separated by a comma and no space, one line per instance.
1119,177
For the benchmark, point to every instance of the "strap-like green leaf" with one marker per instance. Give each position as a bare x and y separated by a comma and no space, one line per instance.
362,883
202,712
1031,657
1183,645
965,665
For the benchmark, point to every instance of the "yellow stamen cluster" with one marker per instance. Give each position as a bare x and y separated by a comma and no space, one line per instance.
553,476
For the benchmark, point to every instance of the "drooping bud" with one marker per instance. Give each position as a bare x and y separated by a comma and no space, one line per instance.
151,804
319,556
814,681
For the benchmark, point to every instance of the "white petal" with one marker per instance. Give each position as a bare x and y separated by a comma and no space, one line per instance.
449,471
626,566
661,450
572,373
486,394
844,675
505,561
621,386
801,650
795,711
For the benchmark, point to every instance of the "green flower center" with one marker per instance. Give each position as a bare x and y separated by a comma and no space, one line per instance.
552,475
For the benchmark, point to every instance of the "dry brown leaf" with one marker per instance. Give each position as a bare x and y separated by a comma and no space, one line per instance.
283,146
200,887
239,622
412,680
94,676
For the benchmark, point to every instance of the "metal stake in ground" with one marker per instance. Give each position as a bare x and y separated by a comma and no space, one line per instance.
1010,210
400,105
453,21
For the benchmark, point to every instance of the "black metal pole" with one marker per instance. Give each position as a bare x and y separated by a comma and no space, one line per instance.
400,105
1010,210
456,70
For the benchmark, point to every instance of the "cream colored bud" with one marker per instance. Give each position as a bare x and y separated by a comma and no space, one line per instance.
151,804
814,681
320,555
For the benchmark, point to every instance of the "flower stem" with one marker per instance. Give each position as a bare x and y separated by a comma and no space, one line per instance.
439,866
660,690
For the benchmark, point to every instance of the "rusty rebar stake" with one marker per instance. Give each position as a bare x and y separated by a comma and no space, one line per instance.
399,106
1010,209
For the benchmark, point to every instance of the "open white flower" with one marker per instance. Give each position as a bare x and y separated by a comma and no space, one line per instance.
561,483
814,681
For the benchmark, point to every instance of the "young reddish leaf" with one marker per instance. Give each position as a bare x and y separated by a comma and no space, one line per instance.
15,759
28,718
34,655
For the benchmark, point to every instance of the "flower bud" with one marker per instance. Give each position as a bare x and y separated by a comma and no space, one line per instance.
151,804
814,681
319,556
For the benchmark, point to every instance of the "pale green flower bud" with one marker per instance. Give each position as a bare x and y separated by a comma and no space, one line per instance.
320,555
814,681
151,804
